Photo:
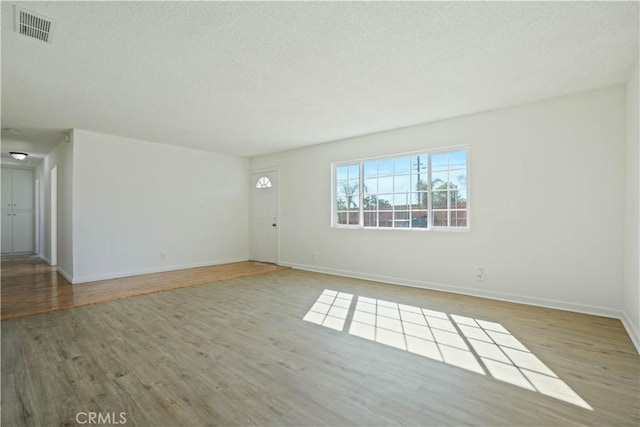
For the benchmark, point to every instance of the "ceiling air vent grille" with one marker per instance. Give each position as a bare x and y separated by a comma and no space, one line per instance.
33,25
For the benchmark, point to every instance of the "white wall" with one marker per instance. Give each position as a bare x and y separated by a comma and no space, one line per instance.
135,200
632,215
62,156
546,206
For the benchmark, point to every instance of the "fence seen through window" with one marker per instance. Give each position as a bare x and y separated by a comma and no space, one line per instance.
415,191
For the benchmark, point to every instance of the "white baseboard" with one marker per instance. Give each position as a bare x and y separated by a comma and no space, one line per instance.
634,334
501,296
64,274
107,276
45,259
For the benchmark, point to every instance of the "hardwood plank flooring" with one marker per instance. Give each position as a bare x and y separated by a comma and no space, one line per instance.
29,286
238,352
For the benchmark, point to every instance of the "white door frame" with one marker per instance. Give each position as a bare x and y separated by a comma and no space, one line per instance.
275,170
37,218
54,215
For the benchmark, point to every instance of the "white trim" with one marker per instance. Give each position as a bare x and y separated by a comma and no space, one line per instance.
44,258
53,216
65,274
36,224
500,296
107,276
634,334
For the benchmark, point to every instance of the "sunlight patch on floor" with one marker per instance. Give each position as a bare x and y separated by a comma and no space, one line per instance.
508,360
480,346
330,309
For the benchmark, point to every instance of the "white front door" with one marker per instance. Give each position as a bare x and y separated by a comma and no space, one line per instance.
264,208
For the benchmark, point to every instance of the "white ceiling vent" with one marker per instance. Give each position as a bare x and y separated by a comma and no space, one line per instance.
33,25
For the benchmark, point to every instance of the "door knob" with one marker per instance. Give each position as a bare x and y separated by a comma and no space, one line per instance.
273,225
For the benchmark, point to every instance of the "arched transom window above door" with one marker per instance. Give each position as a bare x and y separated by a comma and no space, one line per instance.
263,182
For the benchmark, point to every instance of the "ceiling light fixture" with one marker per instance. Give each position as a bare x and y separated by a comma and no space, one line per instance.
18,155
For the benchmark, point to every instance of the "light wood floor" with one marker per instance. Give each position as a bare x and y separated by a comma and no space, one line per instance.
237,352
30,286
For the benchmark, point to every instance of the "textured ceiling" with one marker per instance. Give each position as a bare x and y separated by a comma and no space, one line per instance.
252,78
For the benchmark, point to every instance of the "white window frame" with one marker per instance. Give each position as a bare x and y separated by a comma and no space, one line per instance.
430,227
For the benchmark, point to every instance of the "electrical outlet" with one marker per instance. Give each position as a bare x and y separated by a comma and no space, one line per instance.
163,256
313,257
480,274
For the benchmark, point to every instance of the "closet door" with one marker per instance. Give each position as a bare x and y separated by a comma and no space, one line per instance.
22,189
22,231
7,232
7,180
17,211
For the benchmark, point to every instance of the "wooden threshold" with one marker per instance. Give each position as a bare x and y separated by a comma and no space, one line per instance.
30,286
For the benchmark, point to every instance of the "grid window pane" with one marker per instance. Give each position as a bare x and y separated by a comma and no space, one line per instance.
385,219
459,218
370,202
401,165
439,199
419,182
342,217
341,202
354,171
419,164
353,202
458,178
458,199
401,183
439,180
419,219
439,161
385,167
440,218
457,159
370,219
385,185
354,217
401,219
384,202
370,169
370,186
342,173
419,200
401,201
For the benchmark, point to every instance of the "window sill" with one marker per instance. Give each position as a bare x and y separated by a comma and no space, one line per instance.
402,229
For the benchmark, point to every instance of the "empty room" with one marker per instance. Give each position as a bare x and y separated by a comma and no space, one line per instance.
320,213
